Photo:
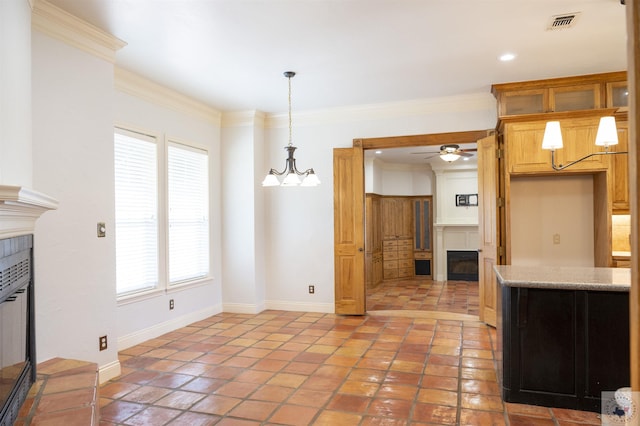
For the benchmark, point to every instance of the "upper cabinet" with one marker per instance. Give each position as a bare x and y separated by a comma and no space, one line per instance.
607,90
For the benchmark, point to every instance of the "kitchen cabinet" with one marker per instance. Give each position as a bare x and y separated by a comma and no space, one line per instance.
620,171
561,94
397,258
524,153
562,343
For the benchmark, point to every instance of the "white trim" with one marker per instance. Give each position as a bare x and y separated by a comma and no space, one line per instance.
20,208
242,308
460,103
109,371
283,305
135,85
244,119
159,329
61,25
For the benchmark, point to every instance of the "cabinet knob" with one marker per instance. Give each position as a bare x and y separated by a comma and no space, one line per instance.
360,249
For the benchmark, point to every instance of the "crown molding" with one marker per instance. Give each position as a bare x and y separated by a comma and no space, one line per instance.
459,103
61,25
244,119
140,87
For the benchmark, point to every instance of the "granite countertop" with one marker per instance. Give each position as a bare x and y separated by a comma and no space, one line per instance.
564,277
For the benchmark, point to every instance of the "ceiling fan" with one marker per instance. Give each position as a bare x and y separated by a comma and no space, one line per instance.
449,153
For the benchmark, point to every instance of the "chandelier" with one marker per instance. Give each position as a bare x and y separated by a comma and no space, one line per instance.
290,172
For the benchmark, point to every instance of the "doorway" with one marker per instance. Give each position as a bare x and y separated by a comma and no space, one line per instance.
418,293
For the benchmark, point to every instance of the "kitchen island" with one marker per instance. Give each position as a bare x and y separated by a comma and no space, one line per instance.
563,334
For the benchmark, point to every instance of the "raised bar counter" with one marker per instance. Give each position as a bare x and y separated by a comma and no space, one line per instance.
563,334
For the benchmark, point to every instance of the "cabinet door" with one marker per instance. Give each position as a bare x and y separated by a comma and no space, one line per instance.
523,102
524,151
573,98
620,171
389,221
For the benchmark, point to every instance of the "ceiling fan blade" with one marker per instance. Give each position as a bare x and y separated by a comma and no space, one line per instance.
435,154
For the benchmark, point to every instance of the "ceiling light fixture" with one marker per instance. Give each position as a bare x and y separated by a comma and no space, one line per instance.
290,171
607,136
507,57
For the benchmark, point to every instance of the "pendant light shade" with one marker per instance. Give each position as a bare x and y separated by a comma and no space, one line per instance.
607,132
291,173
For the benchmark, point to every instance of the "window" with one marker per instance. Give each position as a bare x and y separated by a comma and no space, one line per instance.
188,213
155,205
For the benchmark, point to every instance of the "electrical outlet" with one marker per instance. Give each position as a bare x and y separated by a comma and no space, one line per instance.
556,238
102,230
312,289
102,343
171,304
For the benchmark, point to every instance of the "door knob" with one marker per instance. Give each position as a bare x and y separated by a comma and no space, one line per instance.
360,249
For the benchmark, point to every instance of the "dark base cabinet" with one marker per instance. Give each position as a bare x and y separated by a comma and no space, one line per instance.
562,348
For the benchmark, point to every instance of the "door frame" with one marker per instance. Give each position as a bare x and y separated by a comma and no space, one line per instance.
413,140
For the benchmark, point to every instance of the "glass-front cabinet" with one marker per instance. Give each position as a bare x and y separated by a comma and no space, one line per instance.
423,236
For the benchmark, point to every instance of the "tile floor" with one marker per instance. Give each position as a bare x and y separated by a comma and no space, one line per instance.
425,295
389,367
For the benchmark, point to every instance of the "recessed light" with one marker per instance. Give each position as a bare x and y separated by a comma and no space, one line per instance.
507,57
378,152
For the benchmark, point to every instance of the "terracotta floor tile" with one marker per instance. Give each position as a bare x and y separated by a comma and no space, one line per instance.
309,398
439,397
481,402
431,413
335,418
75,417
521,420
216,404
63,401
272,393
254,410
475,417
297,368
153,416
387,407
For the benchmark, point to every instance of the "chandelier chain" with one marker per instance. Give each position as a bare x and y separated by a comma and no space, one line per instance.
290,143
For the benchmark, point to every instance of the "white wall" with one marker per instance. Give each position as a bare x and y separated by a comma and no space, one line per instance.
448,184
15,93
176,120
542,207
73,162
300,220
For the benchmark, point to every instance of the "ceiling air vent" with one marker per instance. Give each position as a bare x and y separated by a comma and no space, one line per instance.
559,22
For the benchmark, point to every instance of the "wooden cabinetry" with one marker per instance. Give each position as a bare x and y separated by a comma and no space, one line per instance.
397,255
524,153
422,236
373,241
620,171
587,92
397,217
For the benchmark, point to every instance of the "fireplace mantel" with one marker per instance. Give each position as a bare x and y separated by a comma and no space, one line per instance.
19,209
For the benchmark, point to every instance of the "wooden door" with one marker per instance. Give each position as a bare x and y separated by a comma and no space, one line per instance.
487,221
348,216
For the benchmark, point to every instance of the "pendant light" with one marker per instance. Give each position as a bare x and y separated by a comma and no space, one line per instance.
290,172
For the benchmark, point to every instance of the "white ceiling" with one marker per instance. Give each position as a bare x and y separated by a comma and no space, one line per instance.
231,54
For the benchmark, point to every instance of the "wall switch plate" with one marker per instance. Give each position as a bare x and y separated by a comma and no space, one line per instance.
171,304
312,289
102,230
102,343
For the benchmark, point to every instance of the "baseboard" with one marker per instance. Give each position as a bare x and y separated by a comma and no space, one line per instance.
279,305
242,308
108,371
138,337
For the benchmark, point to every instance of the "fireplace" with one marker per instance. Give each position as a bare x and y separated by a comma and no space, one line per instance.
462,265
17,337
